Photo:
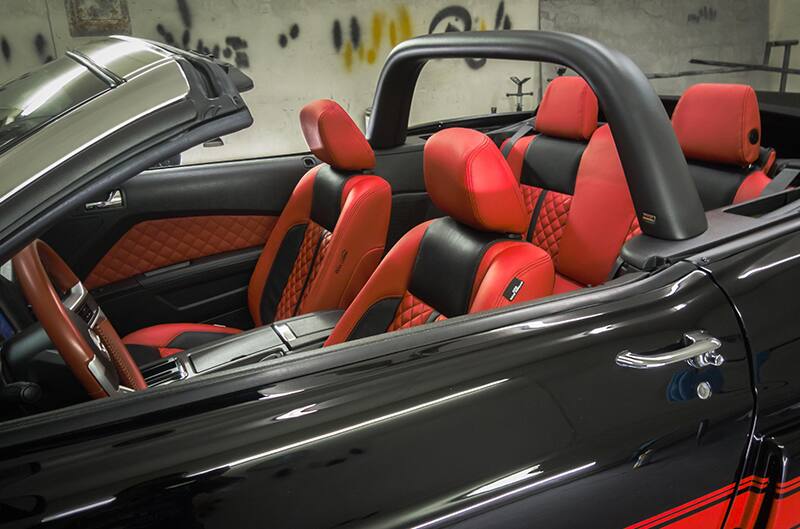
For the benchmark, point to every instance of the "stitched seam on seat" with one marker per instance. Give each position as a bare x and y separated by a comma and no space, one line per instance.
355,269
470,187
345,227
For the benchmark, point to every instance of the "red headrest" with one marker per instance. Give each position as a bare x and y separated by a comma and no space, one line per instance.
334,138
718,123
568,109
468,179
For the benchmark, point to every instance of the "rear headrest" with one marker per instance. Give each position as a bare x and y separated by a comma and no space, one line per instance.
468,179
334,138
568,109
718,123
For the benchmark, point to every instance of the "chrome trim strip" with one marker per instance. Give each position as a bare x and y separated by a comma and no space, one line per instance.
109,77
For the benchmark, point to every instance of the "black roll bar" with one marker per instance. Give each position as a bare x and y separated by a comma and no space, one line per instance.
663,192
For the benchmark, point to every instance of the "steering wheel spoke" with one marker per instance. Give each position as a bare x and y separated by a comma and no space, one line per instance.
75,323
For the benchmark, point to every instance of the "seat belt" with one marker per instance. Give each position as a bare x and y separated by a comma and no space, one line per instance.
524,129
781,181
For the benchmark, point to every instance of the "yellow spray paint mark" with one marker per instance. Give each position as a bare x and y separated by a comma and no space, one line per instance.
377,36
393,34
406,27
348,56
400,28
482,25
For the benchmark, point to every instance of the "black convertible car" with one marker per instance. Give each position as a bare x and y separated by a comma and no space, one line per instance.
584,317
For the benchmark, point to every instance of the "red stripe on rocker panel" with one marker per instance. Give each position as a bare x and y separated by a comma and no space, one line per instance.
748,502
157,243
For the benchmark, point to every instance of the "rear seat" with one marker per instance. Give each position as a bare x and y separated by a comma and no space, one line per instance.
575,189
577,196
719,129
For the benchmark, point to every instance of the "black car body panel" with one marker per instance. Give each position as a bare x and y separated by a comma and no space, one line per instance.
495,424
519,417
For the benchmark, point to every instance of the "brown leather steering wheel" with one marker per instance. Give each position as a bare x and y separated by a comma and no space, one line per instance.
75,323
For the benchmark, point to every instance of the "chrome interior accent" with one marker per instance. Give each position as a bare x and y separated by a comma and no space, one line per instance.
75,297
284,332
114,200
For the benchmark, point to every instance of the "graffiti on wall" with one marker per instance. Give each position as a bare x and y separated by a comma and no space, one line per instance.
354,46
232,47
458,18
293,33
39,45
704,14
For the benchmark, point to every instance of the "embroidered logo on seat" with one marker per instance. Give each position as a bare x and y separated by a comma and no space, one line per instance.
512,289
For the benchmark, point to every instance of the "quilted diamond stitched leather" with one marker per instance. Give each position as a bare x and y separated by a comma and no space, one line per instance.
324,244
531,195
154,244
552,221
303,267
411,312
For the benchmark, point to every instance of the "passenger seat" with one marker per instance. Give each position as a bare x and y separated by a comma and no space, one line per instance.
326,243
469,261
580,210
719,129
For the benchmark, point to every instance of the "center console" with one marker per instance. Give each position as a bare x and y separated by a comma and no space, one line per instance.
261,344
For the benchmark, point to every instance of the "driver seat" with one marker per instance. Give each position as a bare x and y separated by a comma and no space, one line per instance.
472,260
326,243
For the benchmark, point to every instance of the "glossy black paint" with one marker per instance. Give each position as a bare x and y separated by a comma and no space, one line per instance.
762,278
512,424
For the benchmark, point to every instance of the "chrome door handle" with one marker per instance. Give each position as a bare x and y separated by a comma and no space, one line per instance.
114,200
701,352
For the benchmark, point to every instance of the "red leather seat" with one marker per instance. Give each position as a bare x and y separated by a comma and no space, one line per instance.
719,129
326,243
469,261
577,197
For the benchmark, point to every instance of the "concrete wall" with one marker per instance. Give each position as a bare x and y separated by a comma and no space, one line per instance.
662,35
295,51
299,50
784,24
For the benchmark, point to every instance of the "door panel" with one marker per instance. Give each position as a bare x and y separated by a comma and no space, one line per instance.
531,424
182,245
210,289
160,243
763,280
171,217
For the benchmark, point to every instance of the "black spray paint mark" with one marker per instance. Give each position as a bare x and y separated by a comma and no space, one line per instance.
294,32
5,49
235,46
355,32
337,36
706,13
458,18
186,13
238,45
40,43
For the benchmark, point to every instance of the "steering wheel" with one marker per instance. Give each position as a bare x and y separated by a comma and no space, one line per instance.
76,325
